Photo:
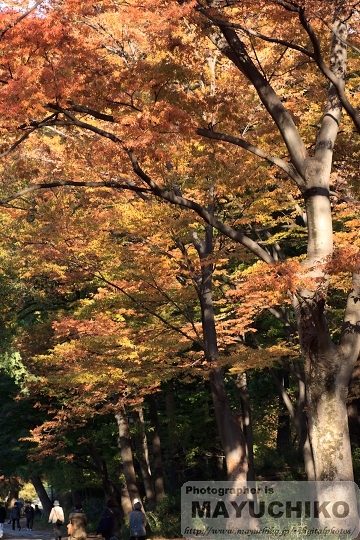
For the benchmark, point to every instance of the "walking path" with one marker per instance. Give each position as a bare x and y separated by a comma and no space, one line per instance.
30,535
35,534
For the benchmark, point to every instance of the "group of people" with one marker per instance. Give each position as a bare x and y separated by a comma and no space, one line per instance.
109,525
15,515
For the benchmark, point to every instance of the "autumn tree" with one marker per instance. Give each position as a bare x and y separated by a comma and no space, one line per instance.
125,127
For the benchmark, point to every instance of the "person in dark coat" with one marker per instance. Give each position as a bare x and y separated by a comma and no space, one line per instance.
29,514
112,511
15,516
2,519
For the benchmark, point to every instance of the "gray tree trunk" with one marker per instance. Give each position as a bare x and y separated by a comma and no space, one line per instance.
126,452
125,500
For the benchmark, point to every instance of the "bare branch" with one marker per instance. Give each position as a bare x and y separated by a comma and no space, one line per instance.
18,142
229,43
76,122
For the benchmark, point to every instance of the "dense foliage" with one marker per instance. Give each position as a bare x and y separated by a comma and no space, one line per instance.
179,194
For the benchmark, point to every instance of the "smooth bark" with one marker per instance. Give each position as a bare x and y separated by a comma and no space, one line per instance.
298,416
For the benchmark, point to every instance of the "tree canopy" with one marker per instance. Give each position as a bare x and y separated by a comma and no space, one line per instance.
180,203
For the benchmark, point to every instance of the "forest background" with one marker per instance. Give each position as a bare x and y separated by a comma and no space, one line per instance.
180,247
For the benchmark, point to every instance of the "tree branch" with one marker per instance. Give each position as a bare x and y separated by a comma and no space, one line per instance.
286,167
225,24
350,334
62,183
170,197
92,112
19,19
337,83
229,43
176,329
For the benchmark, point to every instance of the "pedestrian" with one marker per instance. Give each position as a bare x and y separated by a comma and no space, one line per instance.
2,519
37,511
57,519
15,516
137,523
111,520
20,505
77,524
29,514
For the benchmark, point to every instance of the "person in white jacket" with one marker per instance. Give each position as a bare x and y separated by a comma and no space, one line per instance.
57,519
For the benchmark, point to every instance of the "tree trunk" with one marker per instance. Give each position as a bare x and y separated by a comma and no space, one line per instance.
41,493
158,474
299,418
144,458
231,435
244,398
171,425
328,423
283,436
125,500
13,494
353,406
126,452
110,490
327,367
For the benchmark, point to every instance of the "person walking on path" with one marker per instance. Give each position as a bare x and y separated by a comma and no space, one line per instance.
57,519
37,512
113,514
29,514
78,522
2,519
15,516
20,505
137,523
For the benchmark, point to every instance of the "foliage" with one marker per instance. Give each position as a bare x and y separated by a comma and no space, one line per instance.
127,108
165,522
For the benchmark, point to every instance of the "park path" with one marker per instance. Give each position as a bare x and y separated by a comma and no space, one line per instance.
35,534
